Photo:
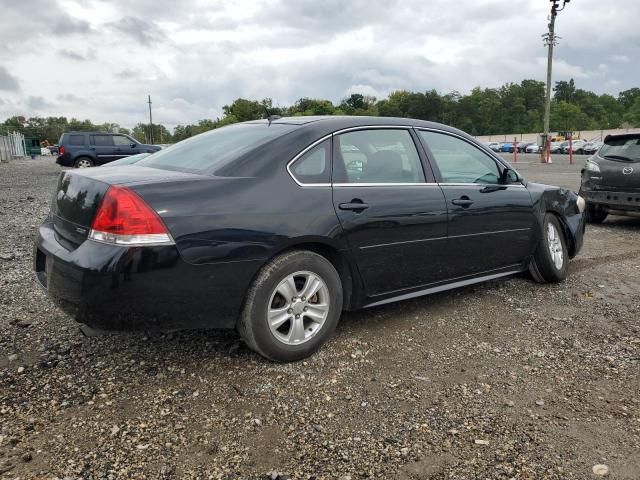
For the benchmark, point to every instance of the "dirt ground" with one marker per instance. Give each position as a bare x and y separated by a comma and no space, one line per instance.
504,380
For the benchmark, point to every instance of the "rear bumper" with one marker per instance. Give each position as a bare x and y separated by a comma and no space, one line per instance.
126,288
629,201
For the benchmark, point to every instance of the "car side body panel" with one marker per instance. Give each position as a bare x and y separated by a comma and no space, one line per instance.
228,224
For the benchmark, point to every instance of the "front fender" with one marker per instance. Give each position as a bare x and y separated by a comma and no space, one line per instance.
561,202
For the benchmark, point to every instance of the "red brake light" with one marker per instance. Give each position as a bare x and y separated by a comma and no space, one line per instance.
124,218
60,150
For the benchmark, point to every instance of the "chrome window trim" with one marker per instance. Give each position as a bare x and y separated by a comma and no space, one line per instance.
497,158
412,184
338,132
390,184
292,161
420,184
516,185
373,127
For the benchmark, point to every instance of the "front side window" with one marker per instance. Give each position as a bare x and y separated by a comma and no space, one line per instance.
121,140
102,140
314,165
376,156
459,161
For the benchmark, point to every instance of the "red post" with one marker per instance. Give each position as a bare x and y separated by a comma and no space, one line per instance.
515,149
548,152
570,149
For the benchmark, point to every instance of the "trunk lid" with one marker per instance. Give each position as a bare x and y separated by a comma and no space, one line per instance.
79,193
619,162
619,174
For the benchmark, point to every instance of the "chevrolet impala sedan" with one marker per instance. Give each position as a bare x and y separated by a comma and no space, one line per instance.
275,227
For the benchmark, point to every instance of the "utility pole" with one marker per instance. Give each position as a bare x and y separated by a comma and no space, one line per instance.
550,40
150,121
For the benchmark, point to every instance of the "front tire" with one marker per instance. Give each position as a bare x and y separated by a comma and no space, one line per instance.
550,262
292,307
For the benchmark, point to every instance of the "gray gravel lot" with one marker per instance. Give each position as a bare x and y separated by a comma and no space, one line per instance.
502,380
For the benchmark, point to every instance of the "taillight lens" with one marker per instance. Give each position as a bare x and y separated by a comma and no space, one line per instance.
123,218
60,150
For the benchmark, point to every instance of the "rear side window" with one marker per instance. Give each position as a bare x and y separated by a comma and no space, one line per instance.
314,166
76,140
621,148
216,148
376,156
102,140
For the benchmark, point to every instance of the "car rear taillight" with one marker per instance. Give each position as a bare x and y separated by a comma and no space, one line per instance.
123,218
60,150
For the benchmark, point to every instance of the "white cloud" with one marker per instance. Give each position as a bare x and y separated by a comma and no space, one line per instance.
194,56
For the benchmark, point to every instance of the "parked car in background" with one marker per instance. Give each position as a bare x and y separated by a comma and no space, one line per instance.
495,146
506,147
88,149
533,148
522,146
555,147
611,178
592,147
275,227
576,145
127,160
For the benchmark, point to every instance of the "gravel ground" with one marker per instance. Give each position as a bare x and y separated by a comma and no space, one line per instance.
502,380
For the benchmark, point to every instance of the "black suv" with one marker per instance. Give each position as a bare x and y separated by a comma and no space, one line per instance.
611,178
87,149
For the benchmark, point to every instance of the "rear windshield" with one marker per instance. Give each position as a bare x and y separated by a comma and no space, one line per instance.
209,151
621,148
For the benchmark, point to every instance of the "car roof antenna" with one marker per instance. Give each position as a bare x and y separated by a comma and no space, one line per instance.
270,116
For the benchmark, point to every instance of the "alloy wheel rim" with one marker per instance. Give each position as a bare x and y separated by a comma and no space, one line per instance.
555,246
298,308
84,164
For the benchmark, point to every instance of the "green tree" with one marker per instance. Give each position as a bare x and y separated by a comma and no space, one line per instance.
567,116
244,110
633,115
628,97
564,91
142,133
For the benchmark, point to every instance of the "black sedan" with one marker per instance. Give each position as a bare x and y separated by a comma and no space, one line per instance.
611,178
275,227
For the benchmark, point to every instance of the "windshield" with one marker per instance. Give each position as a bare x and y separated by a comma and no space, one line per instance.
621,148
211,150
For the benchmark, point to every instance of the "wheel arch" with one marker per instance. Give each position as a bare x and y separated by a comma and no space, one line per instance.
568,235
339,259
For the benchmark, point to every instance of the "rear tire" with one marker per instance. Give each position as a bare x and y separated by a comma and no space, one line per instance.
596,214
550,262
278,321
83,162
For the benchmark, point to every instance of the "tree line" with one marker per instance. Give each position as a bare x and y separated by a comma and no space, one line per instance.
511,108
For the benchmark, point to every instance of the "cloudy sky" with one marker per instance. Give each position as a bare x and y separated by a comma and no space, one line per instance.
99,59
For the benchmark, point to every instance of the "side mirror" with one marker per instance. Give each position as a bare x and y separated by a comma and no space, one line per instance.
134,145
509,176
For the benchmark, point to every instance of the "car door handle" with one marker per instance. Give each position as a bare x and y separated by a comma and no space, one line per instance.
355,205
463,201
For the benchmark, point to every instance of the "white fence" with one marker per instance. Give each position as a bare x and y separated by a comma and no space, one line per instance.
589,135
12,145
